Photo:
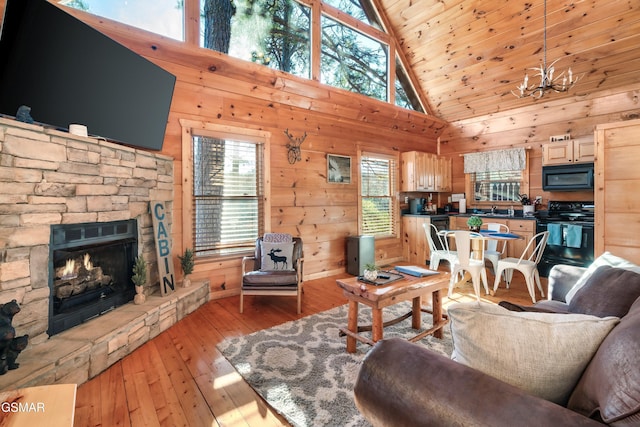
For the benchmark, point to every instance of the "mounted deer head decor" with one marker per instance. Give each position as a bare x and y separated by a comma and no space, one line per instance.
293,148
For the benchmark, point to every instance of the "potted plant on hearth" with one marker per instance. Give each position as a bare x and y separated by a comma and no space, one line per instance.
474,223
187,263
370,272
139,279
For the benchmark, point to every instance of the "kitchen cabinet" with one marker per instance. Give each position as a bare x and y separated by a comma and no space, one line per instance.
458,222
414,241
411,178
425,172
617,179
571,151
525,228
443,175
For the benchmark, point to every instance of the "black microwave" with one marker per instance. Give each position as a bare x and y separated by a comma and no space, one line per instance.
567,177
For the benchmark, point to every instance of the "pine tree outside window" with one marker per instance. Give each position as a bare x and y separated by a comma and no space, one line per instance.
272,33
352,61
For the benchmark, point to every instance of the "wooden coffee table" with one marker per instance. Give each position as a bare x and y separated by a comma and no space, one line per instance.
378,297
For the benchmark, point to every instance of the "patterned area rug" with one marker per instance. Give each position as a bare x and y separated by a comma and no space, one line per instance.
301,368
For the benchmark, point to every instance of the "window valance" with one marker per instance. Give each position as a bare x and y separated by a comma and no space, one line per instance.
499,160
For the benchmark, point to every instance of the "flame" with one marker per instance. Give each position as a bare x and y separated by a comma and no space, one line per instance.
68,268
87,263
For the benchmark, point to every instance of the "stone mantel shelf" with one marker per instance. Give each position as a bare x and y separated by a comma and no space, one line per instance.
69,136
81,353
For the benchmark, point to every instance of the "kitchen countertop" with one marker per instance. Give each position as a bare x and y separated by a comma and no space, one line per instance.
500,216
481,215
430,215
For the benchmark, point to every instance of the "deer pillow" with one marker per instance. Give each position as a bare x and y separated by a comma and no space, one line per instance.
277,256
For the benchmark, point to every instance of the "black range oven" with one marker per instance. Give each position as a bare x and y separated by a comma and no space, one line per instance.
571,231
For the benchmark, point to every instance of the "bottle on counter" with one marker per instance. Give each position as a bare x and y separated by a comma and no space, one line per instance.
512,211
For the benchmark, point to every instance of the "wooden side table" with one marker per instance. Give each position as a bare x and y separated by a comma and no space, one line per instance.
47,405
378,297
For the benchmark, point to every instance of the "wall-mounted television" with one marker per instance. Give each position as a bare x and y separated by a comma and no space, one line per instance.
70,73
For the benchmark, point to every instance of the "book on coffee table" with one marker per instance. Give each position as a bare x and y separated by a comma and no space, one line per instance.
414,270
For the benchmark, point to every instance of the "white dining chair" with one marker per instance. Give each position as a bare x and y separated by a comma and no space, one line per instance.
464,262
493,253
440,251
527,265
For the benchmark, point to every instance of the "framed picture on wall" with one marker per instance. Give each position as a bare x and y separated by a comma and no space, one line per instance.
338,169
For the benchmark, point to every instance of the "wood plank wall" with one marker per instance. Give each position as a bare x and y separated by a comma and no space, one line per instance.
532,125
218,89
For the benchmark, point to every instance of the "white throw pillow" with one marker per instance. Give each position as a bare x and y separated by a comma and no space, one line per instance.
541,353
606,258
277,256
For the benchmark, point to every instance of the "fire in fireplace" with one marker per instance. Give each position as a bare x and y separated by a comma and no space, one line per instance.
90,267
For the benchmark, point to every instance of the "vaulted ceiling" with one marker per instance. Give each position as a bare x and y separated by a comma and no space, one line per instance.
468,55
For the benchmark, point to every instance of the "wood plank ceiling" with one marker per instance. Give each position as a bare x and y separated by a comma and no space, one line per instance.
468,55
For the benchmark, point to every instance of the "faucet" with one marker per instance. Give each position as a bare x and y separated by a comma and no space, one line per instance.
493,209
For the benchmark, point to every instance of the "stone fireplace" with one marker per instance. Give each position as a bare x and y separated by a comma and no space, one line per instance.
90,267
62,197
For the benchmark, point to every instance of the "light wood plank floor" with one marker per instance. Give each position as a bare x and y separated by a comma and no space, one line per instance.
180,379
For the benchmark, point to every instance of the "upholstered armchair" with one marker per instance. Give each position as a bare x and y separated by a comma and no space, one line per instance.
275,269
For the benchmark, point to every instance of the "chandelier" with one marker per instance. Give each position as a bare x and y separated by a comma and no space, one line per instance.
548,82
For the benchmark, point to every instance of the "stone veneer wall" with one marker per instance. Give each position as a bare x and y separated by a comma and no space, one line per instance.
52,177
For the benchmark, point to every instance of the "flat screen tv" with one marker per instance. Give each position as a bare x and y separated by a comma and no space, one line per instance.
70,73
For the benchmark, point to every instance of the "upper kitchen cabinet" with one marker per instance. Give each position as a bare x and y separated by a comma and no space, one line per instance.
425,172
443,176
580,150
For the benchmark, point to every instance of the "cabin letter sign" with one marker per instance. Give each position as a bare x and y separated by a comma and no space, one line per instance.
163,248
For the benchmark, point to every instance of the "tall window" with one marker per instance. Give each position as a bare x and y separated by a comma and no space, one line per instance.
226,182
352,61
377,190
272,33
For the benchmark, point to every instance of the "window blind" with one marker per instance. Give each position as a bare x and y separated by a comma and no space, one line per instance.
227,194
377,183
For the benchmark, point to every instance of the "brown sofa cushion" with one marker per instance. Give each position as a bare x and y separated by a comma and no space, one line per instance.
609,291
610,386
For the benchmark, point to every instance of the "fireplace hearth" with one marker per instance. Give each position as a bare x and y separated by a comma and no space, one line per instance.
89,270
